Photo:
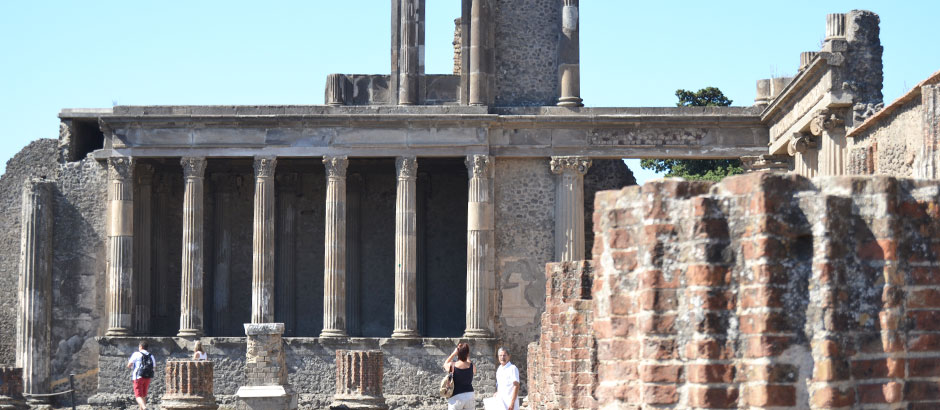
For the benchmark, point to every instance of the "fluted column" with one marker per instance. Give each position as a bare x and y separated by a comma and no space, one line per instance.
569,58
478,75
334,260
411,31
120,245
353,200
262,267
223,254
143,197
34,320
480,241
406,257
285,274
191,298
569,207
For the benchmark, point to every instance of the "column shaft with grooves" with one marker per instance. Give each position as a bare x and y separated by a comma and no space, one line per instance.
353,199
223,254
120,245
191,298
569,58
408,79
334,260
285,274
35,287
262,267
478,78
143,197
359,380
569,207
189,385
406,259
480,244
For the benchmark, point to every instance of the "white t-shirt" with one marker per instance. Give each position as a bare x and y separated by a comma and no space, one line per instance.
506,377
201,356
136,358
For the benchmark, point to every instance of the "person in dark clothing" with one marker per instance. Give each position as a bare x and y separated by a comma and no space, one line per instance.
463,378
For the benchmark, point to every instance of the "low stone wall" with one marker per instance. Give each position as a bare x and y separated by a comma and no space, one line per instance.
412,368
769,291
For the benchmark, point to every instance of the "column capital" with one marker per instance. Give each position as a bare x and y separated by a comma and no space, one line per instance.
577,165
478,165
121,168
406,167
336,166
264,167
193,167
825,120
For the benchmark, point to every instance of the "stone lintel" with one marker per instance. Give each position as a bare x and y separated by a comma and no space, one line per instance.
254,329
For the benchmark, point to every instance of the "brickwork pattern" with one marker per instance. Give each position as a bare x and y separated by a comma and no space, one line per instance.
768,291
11,386
265,363
359,373
562,364
189,385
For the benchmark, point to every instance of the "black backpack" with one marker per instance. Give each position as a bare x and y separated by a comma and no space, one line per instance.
146,366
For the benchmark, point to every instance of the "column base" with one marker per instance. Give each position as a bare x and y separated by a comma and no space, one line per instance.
332,333
190,333
570,102
118,332
342,402
478,333
405,334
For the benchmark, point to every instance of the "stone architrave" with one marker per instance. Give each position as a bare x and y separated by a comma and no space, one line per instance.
262,268
191,284
34,319
480,244
569,207
120,245
143,198
406,258
266,370
189,386
11,389
334,260
359,380
569,58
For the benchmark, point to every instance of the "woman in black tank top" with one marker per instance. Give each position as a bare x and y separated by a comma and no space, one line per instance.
463,370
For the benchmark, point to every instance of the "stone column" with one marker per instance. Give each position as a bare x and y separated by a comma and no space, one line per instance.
569,207
191,284
480,244
285,274
11,389
34,319
262,267
406,258
265,369
569,57
828,127
120,245
478,77
335,90
353,200
334,259
189,386
143,197
359,380
222,256
410,59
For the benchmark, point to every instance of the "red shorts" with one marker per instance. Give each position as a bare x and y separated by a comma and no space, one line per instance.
140,387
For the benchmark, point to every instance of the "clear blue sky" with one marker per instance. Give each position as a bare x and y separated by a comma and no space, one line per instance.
85,54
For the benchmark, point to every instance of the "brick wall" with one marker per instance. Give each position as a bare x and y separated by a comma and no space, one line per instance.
766,291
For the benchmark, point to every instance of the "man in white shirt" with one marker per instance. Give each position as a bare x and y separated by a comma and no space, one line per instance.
143,364
507,384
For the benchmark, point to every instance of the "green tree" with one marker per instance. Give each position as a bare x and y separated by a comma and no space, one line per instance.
697,169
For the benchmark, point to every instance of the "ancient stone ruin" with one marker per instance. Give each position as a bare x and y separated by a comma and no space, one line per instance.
414,210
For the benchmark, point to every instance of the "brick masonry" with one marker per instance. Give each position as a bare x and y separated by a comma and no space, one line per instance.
763,291
11,388
189,385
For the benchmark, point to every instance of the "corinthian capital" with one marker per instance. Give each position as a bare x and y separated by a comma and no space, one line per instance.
407,167
193,167
336,166
478,166
120,168
264,167
578,165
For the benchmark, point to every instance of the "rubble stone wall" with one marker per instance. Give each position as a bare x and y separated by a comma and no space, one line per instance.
527,40
768,291
892,147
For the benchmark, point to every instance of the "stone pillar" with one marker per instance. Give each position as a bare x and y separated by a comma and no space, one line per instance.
189,386
266,370
334,259
359,380
480,244
411,59
569,207
222,256
828,127
120,245
335,89
406,258
191,297
262,267
34,319
569,58
353,200
285,274
11,389
478,32
143,197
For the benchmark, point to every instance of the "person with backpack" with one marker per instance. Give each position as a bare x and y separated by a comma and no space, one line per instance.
143,364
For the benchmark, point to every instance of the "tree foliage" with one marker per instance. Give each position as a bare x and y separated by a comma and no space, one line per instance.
697,169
